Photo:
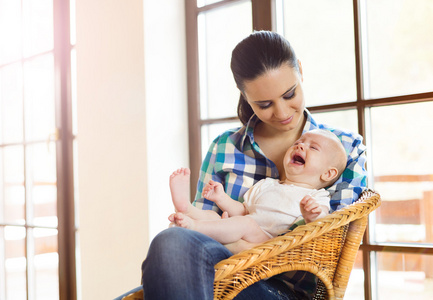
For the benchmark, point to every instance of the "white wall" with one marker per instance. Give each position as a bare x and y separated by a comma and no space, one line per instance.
132,133
111,138
166,101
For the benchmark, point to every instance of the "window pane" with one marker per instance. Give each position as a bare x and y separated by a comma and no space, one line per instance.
219,32
41,183
344,119
14,205
73,14
10,31
210,132
39,97
400,50
321,33
46,262
11,104
402,165
15,262
12,172
404,276
38,26
201,3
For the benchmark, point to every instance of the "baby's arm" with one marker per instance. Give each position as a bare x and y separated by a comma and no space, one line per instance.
214,191
311,210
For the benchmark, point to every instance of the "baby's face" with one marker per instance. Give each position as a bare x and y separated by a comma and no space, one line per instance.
309,158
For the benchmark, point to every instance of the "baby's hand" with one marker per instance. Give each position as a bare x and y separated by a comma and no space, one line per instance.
311,210
213,191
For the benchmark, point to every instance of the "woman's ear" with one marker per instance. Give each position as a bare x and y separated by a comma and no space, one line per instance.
329,175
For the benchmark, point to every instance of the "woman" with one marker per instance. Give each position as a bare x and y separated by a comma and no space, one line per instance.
180,262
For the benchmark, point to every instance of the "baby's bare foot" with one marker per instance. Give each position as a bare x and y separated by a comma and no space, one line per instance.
179,188
184,221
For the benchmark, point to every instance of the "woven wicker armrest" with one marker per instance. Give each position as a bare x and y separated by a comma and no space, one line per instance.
326,247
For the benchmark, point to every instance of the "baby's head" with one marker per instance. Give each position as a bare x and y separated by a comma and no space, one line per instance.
315,160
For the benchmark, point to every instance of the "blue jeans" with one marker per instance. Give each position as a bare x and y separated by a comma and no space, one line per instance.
180,265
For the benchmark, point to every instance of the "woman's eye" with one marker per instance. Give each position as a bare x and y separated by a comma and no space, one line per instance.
264,105
289,95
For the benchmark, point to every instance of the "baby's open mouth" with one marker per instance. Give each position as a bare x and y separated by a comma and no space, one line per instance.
297,159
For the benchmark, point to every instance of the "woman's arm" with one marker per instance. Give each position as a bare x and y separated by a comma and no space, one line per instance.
207,173
219,165
353,181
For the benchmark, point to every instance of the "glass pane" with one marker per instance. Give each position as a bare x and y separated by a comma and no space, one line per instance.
15,262
344,119
46,262
321,33
38,26
355,286
10,31
211,132
12,172
400,52
14,205
219,32
404,276
402,166
201,3
11,104
39,97
42,190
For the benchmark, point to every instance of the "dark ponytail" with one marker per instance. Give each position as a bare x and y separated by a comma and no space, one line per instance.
261,51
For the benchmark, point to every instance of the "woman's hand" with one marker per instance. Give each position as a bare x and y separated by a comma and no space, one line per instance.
239,246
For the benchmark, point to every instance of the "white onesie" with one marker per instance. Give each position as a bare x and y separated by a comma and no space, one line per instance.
276,206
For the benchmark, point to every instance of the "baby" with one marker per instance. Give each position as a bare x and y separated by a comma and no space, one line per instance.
270,207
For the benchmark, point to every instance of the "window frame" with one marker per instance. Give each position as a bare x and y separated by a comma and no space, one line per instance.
264,17
64,148
63,139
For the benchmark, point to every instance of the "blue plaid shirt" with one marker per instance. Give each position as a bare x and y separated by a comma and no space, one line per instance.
235,160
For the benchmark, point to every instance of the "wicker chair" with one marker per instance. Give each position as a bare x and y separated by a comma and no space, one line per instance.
326,248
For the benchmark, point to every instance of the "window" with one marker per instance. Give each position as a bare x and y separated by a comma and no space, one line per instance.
37,226
360,73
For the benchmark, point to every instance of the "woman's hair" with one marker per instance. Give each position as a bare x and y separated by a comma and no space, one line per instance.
261,51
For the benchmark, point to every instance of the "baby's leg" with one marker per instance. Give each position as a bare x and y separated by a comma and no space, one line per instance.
226,231
179,188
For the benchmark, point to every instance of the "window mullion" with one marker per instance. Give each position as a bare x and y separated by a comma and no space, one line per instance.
64,152
262,14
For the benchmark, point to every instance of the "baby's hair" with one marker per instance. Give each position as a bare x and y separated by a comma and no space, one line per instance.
340,157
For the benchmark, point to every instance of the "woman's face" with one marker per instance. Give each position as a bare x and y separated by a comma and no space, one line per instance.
277,98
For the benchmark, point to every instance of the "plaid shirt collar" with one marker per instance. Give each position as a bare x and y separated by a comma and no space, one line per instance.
247,131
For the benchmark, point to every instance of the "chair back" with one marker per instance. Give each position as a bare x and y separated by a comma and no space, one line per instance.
326,247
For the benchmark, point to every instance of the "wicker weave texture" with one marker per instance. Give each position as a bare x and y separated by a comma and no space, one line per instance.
326,248
315,247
